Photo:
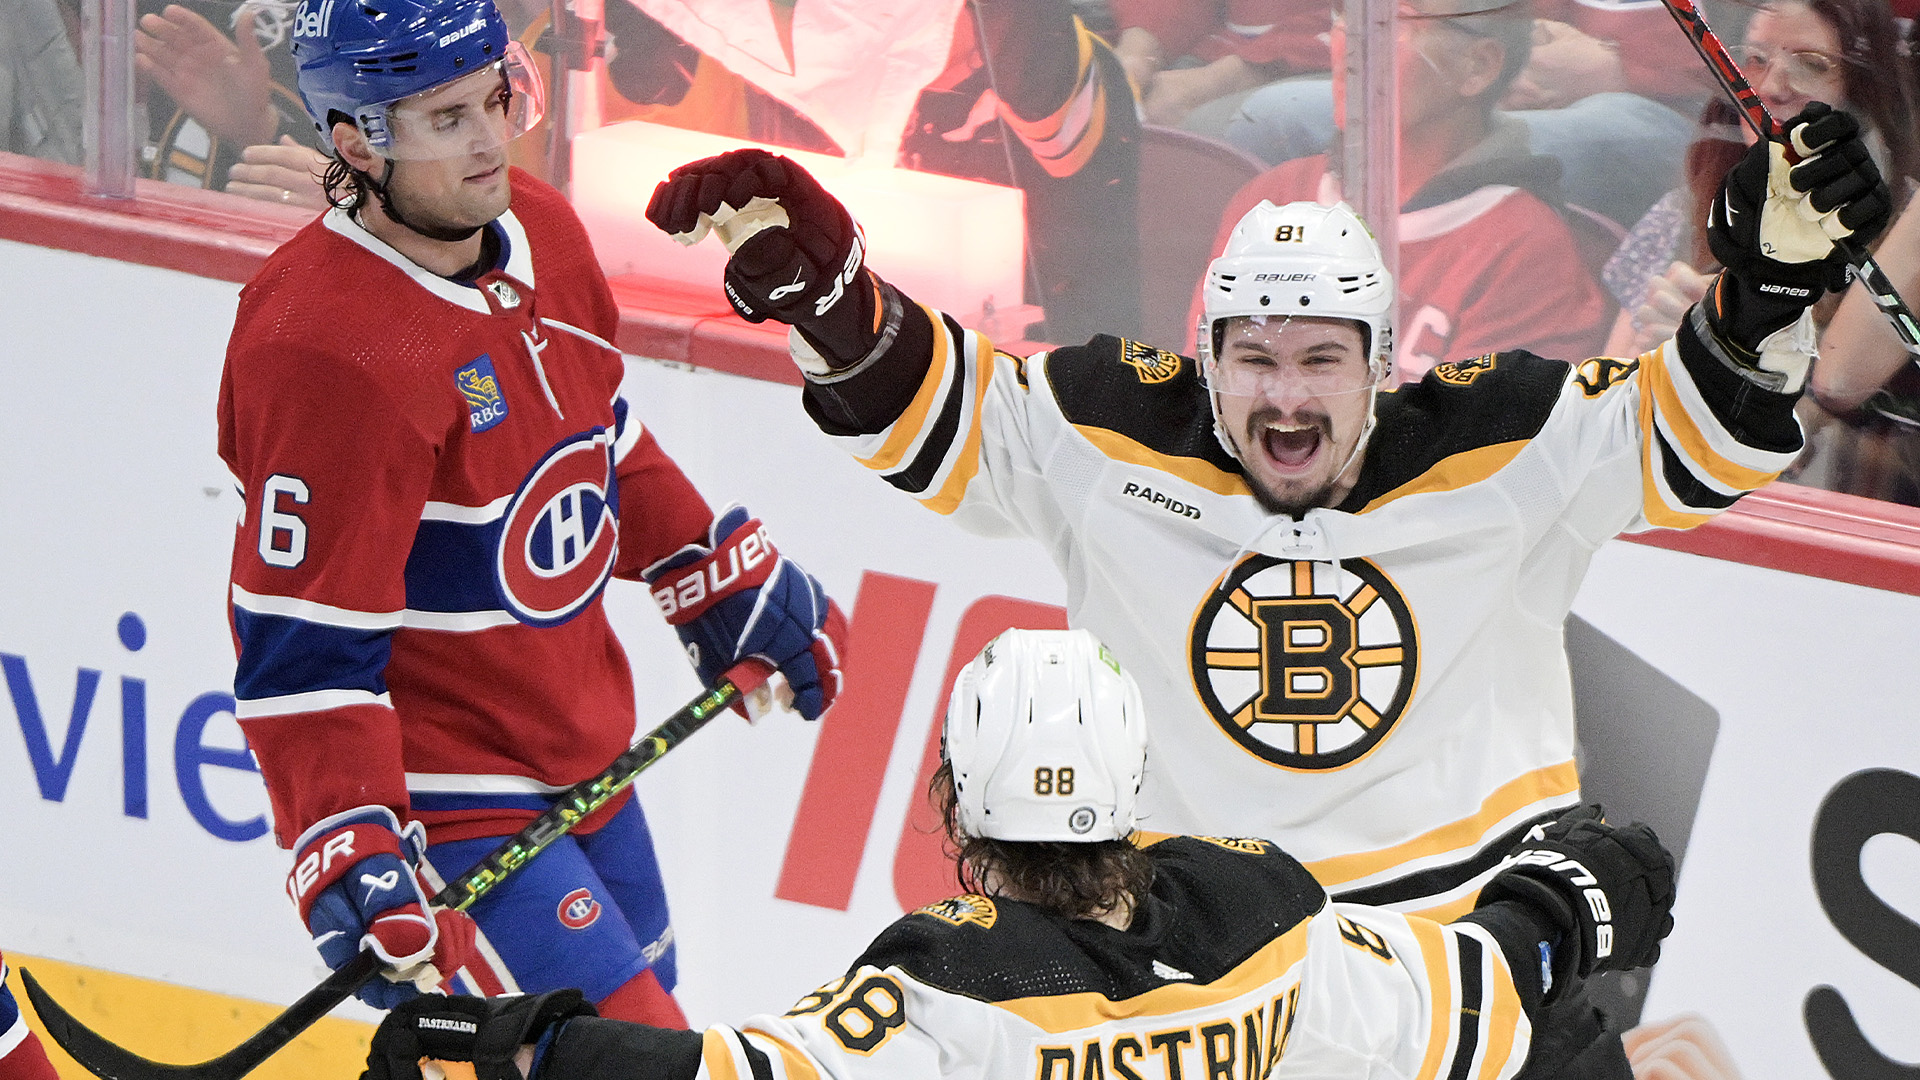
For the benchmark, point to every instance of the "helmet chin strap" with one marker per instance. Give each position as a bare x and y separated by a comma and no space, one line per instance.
444,235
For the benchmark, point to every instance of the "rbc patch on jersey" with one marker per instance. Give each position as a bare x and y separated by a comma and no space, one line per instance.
485,405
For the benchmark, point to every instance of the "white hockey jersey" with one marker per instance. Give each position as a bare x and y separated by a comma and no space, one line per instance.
1382,687
1236,968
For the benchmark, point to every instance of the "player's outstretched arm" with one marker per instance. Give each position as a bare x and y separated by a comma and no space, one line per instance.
1776,226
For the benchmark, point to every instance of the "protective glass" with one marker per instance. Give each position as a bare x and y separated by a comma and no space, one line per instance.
472,114
1266,370
1808,73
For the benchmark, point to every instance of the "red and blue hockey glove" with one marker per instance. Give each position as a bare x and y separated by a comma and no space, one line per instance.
488,1032
1608,889
1775,222
736,598
798,254
355,882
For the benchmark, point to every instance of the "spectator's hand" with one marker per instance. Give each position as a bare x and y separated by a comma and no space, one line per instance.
283,172
1683,1047
1140,55
1668,298
1175,92
220,82
1566,64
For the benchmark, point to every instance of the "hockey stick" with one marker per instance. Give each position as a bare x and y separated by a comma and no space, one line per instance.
111,1062
1754,112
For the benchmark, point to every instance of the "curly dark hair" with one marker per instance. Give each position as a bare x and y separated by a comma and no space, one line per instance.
1070,879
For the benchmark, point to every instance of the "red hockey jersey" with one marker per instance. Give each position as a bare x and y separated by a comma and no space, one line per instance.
439,478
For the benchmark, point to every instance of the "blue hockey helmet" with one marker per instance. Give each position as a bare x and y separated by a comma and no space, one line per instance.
360,58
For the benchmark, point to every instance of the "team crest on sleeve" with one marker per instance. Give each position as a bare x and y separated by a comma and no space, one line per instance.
485,405
1150,364
1598,375
1463,372
561,532
1307,665
960,910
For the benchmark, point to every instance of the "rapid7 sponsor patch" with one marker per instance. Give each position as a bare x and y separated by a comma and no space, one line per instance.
1160,499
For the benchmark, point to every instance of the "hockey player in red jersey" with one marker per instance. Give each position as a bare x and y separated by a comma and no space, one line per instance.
1083,948
1344,603
422,410
21,1055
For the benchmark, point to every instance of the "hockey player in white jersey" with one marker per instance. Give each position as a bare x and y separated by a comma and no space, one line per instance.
1087,950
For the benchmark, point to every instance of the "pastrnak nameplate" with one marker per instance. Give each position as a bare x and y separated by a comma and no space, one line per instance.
1307,665
1150,364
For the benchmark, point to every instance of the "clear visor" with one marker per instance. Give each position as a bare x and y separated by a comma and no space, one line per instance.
1274,356
473,114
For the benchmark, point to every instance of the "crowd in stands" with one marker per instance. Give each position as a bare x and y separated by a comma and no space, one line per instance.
1554,159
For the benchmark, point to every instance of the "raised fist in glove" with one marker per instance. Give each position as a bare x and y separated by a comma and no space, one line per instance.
1775,221
355,882
488,1032
1608,888
736,598
796,250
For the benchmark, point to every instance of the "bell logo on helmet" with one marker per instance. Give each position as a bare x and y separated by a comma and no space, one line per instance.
313,20
1307,665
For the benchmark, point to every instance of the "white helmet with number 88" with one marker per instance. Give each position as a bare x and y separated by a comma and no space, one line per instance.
1047,740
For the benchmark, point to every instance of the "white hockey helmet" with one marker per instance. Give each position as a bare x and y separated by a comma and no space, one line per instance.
1047,739
1300,259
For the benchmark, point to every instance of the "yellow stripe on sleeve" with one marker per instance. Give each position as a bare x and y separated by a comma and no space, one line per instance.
1503,1016
793,1060
716,1056
968,463
1433,956
1047,128
907,428
1685,427
1653,506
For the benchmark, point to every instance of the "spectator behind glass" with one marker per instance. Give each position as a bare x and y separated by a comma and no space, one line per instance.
1862,410
1183,55
41,93
1795,51
1486,261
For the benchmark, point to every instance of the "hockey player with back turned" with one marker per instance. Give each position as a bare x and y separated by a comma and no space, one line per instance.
423,415
1344,604
1086,950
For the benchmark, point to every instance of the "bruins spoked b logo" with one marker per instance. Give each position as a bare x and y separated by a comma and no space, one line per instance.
1306,664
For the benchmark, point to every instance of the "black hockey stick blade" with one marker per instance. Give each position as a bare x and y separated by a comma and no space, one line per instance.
109,1061
1747,102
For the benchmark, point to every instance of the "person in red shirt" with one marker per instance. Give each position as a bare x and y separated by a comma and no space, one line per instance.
1486,260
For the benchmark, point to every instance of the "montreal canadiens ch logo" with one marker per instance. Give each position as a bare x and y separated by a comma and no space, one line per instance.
1307,665
560,533
578,910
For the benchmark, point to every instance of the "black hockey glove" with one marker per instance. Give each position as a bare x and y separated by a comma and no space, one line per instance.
1774,223
1608,888
485,1031
797,253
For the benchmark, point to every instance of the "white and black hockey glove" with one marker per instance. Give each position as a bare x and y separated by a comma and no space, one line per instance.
1775,223
798,255
1608,889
